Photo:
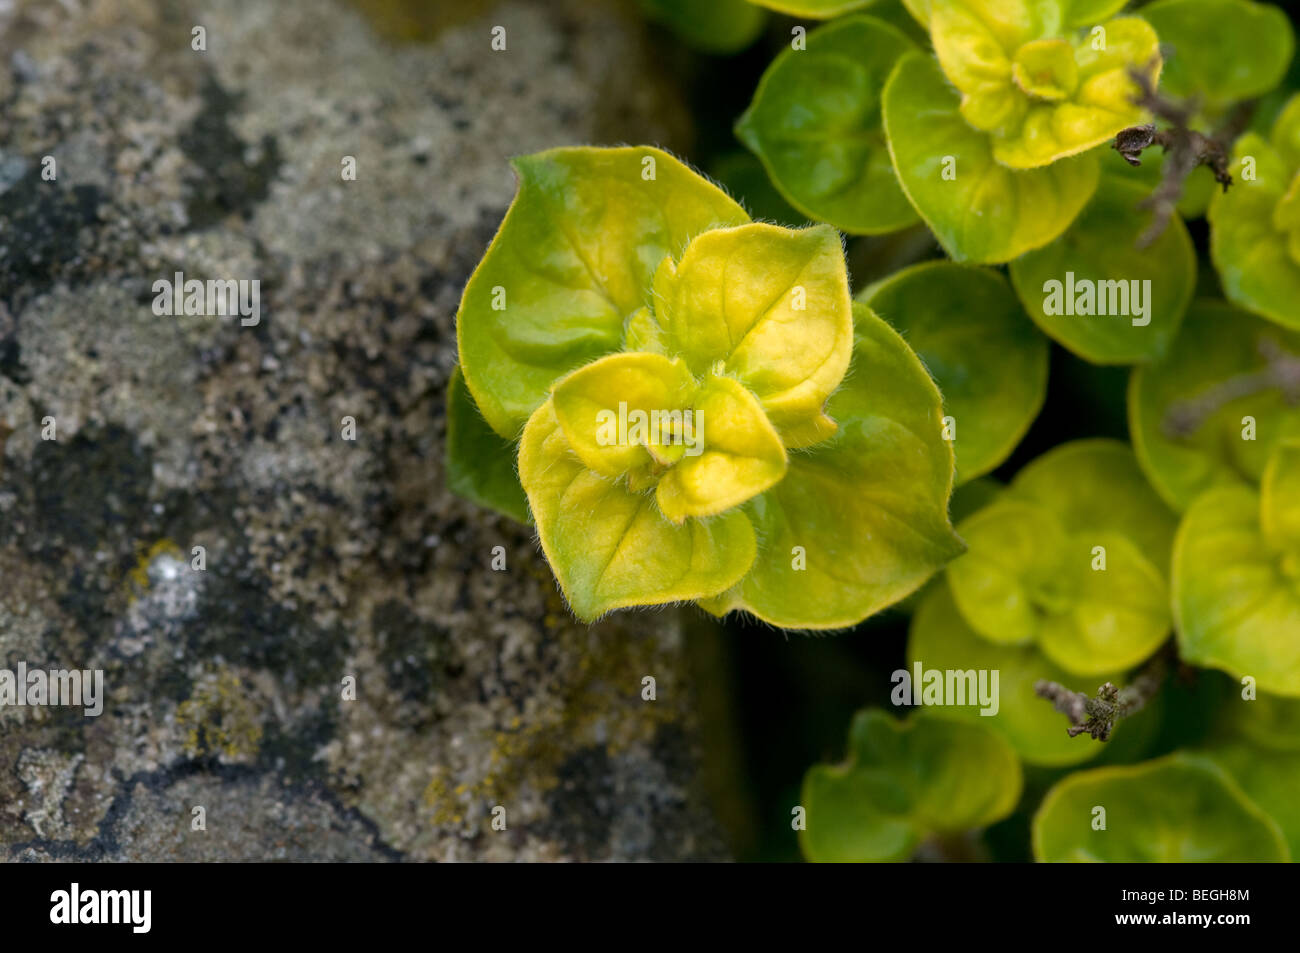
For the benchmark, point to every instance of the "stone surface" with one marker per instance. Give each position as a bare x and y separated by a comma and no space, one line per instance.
325,558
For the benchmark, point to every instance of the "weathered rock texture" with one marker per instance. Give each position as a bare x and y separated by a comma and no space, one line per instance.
325,558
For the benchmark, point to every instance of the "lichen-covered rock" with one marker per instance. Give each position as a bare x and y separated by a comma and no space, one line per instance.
300,633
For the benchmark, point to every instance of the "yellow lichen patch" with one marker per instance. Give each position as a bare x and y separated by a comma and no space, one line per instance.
220,717
418,20
138,577
599,703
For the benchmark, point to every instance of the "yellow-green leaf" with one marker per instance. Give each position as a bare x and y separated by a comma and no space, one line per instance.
1236,605
979,209
610,547
903,781
859,521
571,262
1280,499
1177,809
772,307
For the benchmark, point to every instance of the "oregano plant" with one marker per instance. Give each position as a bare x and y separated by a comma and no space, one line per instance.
1002,388
698,403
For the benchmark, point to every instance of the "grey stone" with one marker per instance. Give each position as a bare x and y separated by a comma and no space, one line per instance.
325,558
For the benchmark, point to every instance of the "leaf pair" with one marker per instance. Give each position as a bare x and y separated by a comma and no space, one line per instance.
940,639
903,781
1069,559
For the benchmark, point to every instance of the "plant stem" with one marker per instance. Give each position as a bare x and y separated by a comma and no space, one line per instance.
1098,716
1185,147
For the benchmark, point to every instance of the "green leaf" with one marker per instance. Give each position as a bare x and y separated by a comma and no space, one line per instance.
1285,135
1266,721
480,464
1236,603
1080,13
940,639
866,511
571,262
772,306
817,9
985,212
1270,779
1177,809
903,781
1077,13
1252,251
719,26
1279,507
989,362
1063,559
1137,296
611,547
1244,55
815,124
1217,344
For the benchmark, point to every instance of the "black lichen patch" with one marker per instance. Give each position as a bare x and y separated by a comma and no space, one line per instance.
238,620
226,183
582,804
92,492
412,651
39,226
291,750
88,497
671,749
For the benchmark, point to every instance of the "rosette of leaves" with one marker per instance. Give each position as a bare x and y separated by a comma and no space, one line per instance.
941,640
1182,808
1071,558
1255,225
1003,165
813,490
902,782
1236,577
